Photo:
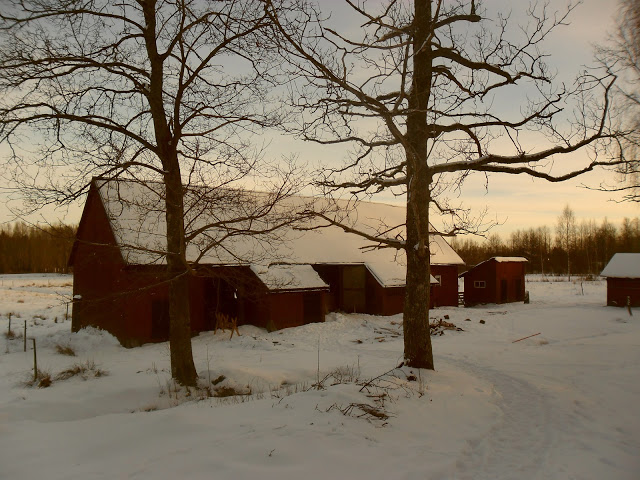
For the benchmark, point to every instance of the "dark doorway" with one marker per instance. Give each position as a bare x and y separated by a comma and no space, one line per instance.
330,274
220,297
504,293
160,319
354,297
312,307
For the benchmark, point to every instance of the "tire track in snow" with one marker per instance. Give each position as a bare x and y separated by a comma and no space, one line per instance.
518,444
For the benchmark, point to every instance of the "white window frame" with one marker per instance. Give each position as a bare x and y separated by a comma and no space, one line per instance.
439,279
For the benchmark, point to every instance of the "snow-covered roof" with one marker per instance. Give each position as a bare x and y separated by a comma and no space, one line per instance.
498,260
623,265
289,277
390,274
137,218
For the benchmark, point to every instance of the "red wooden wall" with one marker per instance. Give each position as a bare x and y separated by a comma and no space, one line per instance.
618,289
445,294
504,283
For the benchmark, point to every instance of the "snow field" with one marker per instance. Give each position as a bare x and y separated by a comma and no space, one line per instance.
562,404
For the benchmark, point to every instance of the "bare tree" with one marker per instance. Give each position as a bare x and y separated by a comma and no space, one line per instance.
621,56
544,236
134,89
418,93
566,232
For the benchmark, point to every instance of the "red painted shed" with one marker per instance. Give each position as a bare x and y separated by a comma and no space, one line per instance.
623,280
119,272
496,280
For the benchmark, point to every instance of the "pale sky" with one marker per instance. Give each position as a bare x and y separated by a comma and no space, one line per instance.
517,201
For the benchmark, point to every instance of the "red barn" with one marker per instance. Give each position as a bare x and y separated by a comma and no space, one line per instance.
623,279
497,280
120,284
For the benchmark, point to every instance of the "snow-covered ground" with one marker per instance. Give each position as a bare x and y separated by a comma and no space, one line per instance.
564,404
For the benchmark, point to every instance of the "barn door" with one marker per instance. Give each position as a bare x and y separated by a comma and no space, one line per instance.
312,307
504,291
160,319
354,298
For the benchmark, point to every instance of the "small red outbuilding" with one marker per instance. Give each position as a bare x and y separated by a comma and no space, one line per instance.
623,280
497,280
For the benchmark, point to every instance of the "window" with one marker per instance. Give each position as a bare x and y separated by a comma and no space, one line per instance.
439,279
479,284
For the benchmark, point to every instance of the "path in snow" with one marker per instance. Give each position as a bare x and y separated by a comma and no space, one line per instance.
519,443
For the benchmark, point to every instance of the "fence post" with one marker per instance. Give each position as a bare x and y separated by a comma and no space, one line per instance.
35,361
25,336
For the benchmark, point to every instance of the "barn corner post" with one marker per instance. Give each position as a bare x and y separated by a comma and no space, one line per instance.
418,352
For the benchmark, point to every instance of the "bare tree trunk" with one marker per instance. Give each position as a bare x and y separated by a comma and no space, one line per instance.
417,338
183,369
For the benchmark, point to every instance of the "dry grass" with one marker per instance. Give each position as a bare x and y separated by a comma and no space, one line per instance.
13,335
43,380
65,350
228,391
84,370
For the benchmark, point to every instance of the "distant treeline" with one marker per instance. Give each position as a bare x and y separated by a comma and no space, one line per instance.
583,248
29,249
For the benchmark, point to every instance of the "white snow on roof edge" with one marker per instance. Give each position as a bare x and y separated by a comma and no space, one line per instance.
390,274
289,277
623,265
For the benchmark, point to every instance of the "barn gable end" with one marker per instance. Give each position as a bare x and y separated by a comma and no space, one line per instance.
97,270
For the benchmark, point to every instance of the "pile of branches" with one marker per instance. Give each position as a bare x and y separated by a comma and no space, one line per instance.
379,392
438,328
376,412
